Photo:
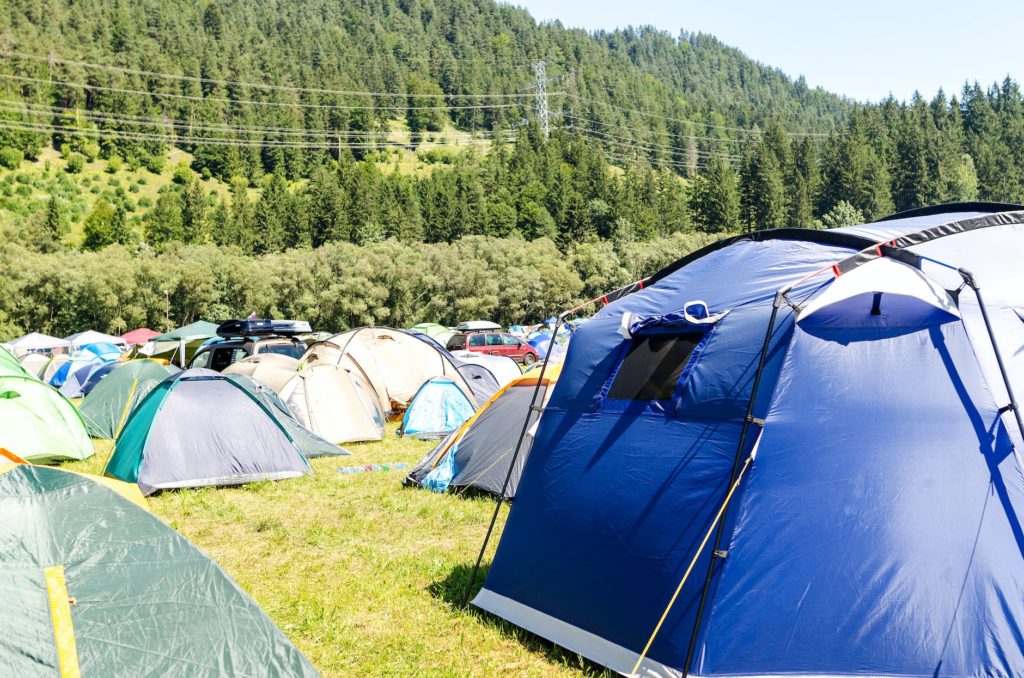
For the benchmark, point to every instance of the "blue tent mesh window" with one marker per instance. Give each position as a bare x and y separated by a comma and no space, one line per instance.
653,366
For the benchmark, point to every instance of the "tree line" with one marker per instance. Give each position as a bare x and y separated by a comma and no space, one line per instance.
335,287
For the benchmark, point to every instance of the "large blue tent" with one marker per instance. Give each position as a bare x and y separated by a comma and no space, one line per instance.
809,437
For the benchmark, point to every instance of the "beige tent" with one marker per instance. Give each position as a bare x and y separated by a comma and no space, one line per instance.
335,404
273,370
34,363
394,363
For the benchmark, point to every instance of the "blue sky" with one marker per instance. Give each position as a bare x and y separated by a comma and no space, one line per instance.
863,49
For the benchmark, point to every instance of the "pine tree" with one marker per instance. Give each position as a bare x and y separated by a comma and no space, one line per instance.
193,212
715,202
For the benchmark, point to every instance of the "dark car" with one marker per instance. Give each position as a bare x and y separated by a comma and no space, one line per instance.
494,343
258,337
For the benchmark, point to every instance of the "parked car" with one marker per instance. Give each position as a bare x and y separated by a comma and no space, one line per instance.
244,338
494,343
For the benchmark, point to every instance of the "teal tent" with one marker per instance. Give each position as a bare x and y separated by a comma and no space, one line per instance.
94,585
198,429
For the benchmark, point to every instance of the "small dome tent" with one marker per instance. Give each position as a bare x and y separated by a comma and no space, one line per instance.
111,596
392,362
437,409
34,363
198,428
478,454
335,404
107,406
792,435
38,424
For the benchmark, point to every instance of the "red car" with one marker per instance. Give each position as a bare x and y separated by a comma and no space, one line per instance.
494,343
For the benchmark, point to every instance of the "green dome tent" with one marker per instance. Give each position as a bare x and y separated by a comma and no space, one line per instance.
108,405
10,364
39,424
121,596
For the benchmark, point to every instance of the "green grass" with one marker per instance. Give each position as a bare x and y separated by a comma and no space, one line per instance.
362,574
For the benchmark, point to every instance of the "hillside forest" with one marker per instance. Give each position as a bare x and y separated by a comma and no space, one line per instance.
387,161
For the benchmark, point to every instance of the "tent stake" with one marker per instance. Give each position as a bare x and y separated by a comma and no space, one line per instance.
747,421
973,284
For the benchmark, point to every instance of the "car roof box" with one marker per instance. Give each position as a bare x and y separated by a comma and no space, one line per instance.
261,327
477,325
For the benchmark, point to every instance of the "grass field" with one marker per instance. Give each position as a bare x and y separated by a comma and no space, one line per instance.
362,574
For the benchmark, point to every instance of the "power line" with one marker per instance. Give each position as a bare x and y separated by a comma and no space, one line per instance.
248,102
661,117
217,141
38,110
254,85
675,135
603,136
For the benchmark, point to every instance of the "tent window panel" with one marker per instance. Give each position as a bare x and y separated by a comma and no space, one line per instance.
653,365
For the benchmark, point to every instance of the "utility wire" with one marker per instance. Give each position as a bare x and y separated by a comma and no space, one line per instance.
253,85
664,118
217,141
249,102
39,110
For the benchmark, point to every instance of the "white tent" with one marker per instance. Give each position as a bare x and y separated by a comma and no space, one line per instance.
36,341
80,339
503,368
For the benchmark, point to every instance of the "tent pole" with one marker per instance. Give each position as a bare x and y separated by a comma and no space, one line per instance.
512,463
522,435
973,284
736,465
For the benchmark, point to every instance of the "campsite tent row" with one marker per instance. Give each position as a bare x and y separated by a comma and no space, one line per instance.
790,453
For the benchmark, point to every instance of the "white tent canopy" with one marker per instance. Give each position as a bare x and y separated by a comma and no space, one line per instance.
36,341
80,339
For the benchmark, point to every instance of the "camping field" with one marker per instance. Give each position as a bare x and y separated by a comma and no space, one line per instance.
362,574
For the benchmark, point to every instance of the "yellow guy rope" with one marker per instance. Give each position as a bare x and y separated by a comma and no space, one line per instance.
686,575
127,407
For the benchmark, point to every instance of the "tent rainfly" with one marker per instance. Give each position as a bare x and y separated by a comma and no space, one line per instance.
198,428
478,455
139,336
106,407
94,585
392,362
270,369
180,344
437,409
36,342
784,441
309,443
39,424
335,404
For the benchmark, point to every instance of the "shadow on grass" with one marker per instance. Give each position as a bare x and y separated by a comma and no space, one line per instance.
451,590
